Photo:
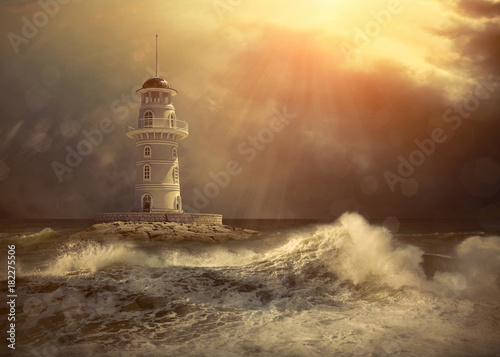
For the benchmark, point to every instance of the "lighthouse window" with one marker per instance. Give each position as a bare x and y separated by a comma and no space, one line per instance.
155,96
147,172
174,153
147,151
176,174
148,118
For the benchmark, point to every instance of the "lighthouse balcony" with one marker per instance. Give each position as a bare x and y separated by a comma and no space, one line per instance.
168,124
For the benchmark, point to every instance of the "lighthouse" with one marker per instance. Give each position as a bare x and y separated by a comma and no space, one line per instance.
157,135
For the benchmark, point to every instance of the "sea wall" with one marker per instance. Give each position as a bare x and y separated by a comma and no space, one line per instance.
202,218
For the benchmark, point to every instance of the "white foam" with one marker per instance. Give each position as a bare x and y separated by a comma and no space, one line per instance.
478,260
209,299
210,256
92,256
351,248
367,252
37,238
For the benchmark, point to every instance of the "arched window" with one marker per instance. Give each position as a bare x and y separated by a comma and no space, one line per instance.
147,172
174,153
148,118
146,203
176,174
147,151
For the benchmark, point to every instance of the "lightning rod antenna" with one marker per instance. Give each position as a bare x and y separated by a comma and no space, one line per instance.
157,55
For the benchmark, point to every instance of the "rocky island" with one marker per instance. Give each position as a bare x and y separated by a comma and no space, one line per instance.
166,231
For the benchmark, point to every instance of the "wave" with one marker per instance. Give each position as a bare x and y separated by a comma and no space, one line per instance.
478,260
31,241
371,252
45,233
351,250
91,256
350,288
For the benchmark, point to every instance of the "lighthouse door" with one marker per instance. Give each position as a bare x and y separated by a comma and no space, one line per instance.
146,203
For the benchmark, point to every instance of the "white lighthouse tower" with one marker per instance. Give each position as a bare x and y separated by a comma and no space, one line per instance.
157,136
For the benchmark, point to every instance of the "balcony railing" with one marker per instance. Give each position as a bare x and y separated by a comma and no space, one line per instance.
161,123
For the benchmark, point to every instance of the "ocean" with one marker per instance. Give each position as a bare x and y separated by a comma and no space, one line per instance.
304,288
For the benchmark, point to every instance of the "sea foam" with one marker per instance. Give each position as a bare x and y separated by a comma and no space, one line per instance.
352,249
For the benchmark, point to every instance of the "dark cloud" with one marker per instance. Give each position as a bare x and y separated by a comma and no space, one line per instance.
479,8
348,125
335,143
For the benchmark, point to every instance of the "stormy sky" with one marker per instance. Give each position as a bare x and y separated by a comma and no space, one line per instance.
388,108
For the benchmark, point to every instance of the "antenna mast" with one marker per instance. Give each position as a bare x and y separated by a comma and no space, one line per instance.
156,55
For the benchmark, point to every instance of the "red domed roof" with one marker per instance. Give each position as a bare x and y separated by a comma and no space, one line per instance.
156,82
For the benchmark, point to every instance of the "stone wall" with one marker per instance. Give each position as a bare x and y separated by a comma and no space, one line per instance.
202,218
194,218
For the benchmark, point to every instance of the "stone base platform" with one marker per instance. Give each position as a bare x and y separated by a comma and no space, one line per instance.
202,218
